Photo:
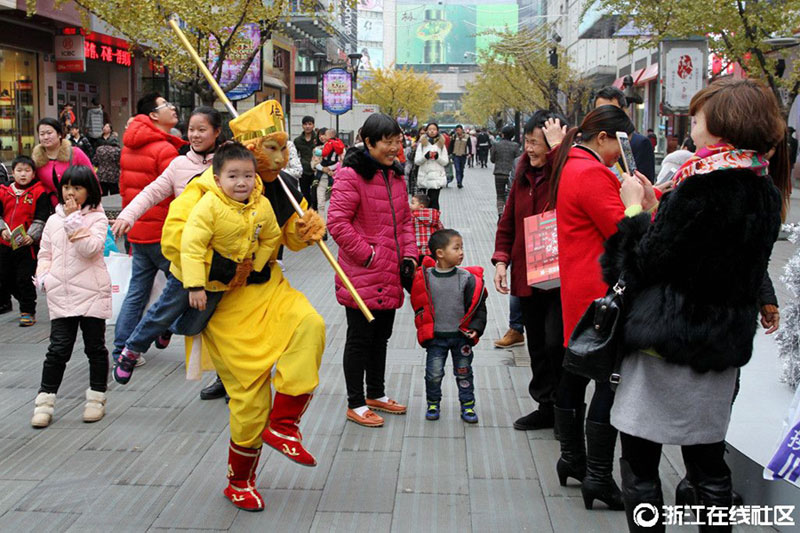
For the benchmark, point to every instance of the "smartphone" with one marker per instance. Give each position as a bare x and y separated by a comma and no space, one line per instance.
627,153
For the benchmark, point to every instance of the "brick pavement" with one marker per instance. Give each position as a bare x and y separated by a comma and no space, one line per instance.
157,461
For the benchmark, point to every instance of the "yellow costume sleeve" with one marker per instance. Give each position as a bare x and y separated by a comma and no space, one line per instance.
270,236
196,240
179,210
290,237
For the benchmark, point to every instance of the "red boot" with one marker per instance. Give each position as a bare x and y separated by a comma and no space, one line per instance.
282,432
241,489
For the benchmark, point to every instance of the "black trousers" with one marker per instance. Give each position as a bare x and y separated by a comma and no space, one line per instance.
109,188
63,332
365,355
17,268
433,195
644,457
305,188
541,314
572,392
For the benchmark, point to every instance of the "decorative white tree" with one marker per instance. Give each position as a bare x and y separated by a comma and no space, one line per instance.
788,337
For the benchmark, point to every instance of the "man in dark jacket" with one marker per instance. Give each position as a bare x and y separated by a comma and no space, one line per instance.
460,147
642,147
484,143
503,154
305,144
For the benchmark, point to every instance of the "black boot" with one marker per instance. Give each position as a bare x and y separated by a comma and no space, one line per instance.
213,391
685,493
637,491
542,418
599,484
713,492
569,431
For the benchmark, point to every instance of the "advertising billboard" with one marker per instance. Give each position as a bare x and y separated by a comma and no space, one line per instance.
235,60
435,34
337,91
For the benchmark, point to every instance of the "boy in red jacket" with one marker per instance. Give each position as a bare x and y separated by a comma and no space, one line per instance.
450,315
24,203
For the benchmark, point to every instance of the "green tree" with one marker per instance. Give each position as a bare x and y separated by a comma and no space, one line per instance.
400,92
144,23
516,75
738,31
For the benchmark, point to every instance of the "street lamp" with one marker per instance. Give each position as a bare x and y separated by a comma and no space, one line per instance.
320,58
355,62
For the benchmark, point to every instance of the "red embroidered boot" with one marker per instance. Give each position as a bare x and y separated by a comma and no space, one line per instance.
241,489
282,432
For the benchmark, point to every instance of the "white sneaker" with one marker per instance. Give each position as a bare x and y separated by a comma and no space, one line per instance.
141,361
95,408
45,408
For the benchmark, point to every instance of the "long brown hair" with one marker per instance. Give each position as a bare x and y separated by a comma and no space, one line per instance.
746,114
607,118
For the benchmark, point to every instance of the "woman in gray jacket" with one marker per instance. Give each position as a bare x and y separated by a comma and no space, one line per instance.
503,154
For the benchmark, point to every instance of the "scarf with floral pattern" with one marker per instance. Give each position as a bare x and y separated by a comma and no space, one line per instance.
718,157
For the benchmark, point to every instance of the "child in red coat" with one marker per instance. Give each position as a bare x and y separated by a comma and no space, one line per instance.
450,315
427,221
24,207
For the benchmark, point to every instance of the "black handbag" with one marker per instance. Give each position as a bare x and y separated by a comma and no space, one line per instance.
593,348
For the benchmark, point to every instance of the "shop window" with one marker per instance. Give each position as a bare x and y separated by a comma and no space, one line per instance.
17,102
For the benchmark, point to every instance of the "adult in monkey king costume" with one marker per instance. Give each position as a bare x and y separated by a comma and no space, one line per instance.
260,326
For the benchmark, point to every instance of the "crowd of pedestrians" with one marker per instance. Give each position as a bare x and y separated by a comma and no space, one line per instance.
690,246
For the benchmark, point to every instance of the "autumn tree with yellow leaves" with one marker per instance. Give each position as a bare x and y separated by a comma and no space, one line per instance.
214,27
516,75
400,92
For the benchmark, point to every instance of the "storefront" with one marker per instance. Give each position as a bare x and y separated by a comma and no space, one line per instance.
106,77
18,102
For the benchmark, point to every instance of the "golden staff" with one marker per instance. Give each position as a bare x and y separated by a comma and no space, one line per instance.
224,99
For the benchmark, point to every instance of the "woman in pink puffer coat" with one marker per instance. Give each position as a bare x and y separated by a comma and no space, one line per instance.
370,220
73,274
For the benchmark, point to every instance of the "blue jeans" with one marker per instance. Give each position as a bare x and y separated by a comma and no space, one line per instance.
172,311
147,261
462,368
458,164
515,321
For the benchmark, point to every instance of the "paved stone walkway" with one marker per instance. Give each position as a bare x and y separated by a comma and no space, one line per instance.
157,461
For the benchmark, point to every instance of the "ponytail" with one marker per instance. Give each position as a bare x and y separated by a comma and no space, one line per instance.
562,154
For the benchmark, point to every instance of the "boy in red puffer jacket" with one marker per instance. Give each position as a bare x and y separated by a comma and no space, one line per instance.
426,222
450,315
24,203
148,149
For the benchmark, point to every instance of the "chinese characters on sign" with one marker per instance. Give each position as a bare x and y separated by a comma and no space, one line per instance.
684,73
70,53
337,91
107,53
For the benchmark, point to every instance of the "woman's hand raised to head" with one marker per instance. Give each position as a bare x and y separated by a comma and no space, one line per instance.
554,132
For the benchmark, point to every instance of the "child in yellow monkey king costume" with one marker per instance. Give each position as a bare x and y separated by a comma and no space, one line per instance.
262,325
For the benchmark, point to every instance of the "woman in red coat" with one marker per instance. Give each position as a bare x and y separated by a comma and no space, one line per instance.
586,195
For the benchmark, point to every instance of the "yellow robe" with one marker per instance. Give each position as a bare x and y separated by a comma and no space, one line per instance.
253,329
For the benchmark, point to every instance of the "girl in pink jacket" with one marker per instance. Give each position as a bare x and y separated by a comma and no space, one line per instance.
205,125
370,220
73,274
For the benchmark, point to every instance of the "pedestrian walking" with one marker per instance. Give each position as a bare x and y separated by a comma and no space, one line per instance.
588,206
54,155
431,157
78,139
107,160
450,319
412,169
371,222
484,144
473,141
332,154
148,151
24,209
427,221
459,148
305,144
503,154
541,309
692,292
96,119
73,275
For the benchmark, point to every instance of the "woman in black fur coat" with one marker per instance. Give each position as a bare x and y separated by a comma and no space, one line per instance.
693,276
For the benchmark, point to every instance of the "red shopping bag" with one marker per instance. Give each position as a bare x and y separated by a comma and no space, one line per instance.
541,250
